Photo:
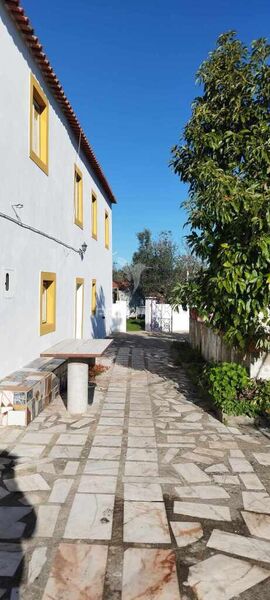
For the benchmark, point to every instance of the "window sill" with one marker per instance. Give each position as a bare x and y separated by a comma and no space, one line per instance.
47,328
43,166
78,223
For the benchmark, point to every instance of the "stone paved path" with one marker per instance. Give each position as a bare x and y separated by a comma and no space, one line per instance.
147,497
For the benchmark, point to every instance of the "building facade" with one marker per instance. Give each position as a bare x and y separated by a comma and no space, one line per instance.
54,200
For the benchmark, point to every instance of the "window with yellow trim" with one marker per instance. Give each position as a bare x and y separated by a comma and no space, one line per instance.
79,307
78,197
94,297
47,302
94,216
39,126
107,229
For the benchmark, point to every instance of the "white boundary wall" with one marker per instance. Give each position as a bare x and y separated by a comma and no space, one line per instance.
119,317
180,321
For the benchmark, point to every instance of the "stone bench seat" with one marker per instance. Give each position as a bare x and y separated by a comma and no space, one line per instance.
25,392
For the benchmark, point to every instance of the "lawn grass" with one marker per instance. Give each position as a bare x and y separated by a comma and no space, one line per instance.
134,324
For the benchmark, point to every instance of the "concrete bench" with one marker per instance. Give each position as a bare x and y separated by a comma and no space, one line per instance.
80,353
25,392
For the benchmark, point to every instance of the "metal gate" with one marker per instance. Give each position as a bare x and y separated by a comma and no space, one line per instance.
161,317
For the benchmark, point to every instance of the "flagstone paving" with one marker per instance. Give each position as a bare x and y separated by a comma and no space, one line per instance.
145,497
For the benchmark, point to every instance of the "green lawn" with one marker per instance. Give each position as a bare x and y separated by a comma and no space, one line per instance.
134,324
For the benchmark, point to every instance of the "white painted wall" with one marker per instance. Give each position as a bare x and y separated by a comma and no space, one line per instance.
148,304
119,317
47,205
180,321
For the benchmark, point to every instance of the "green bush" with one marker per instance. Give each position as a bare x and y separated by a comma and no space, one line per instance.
224,383
234,392
257,396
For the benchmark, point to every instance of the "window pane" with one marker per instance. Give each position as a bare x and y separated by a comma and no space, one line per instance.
39,119
94,216
44,303
47,303
107,238
36,128
78,199
94,297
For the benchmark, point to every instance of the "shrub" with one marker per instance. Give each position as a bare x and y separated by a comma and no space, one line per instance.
234,392
225,382
256,396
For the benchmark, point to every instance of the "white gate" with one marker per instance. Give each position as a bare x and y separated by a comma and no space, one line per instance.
160,317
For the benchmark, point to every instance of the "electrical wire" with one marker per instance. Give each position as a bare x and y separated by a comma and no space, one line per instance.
42,233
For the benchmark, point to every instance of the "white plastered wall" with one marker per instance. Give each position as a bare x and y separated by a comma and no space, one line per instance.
48,206
119,317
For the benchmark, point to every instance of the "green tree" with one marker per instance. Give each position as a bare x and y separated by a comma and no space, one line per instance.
156,260
186,267
225,158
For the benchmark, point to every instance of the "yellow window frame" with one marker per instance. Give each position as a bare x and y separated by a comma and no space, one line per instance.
48,283
94,215
79,282
94,296
37,97
78,197
107,229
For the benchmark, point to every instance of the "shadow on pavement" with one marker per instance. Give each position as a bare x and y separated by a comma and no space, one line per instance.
17,523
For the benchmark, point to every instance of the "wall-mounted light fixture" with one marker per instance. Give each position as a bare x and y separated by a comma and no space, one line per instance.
82,250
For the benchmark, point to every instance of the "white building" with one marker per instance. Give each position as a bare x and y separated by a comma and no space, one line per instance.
52,183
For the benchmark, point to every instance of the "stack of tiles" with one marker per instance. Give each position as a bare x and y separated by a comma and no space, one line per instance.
24,393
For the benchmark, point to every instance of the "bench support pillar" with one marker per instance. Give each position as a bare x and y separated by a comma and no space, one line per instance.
77,392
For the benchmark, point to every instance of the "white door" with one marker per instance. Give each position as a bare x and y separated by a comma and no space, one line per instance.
79,308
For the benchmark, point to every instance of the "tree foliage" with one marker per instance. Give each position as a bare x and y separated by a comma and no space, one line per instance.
158,261
225,158
156,266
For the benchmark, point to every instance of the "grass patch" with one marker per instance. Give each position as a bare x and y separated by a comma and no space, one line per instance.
134,324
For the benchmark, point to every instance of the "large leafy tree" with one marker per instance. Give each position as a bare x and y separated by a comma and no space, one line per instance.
156,266
225,158
156,259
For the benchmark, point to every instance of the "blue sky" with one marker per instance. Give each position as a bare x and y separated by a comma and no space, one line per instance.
128,69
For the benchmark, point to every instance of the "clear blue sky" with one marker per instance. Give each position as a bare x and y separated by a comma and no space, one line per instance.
128,68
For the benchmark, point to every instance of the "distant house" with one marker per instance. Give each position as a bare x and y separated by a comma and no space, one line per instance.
121,291
135,302
56,207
